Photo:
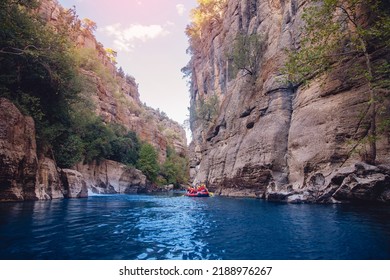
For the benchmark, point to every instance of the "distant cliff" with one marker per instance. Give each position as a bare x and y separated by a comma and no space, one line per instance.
266,138
121,103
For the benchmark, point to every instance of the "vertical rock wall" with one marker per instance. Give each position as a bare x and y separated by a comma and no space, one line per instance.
23,174
110,177
18,158
268,137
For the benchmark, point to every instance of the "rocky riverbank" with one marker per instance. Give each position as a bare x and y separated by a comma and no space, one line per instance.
26,174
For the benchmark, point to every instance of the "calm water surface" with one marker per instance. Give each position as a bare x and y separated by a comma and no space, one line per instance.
177,227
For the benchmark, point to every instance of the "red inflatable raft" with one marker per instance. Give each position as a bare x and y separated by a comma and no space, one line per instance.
198,194
200,191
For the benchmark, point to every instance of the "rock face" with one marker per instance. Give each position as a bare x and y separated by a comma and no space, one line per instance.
18,157
268,139
361,183
49,184
110,177
74,184
23,174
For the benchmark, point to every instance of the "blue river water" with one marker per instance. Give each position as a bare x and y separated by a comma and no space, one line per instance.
172,226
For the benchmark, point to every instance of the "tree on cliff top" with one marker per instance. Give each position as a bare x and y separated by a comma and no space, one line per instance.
111,54
203,17
357,31
89,25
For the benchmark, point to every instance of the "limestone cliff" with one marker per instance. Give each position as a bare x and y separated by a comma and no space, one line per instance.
18,158
270,140
110,177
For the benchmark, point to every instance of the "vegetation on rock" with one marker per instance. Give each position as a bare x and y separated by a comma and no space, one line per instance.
50,78
203,18
356,31
147,162
206,110
246,54
174,169
38,72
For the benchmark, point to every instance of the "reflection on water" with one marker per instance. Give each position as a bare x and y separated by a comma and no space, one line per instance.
177,227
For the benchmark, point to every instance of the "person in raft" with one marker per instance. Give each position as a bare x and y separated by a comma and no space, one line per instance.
191,190
202,188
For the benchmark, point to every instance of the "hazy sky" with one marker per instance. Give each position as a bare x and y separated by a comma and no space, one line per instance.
149,38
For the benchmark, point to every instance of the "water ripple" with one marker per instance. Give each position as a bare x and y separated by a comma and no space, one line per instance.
177,227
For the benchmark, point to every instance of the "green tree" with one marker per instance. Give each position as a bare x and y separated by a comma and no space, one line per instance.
207,109
147,161
121,73
246,54
348,30
175,168
37,70
98,138
125,148
69,151
89,25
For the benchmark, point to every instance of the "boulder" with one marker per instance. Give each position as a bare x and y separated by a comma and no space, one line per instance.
74,184
49,185
360,183
110,177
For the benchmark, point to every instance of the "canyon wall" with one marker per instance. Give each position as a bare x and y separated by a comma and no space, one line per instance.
271,140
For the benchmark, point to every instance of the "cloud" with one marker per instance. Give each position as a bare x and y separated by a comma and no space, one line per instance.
125,38
180,9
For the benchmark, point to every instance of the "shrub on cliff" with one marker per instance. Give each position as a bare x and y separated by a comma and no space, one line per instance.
69,151
246,54
88,59
357,31
101,141
206,109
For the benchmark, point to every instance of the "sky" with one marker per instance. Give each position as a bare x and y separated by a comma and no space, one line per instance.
151,44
